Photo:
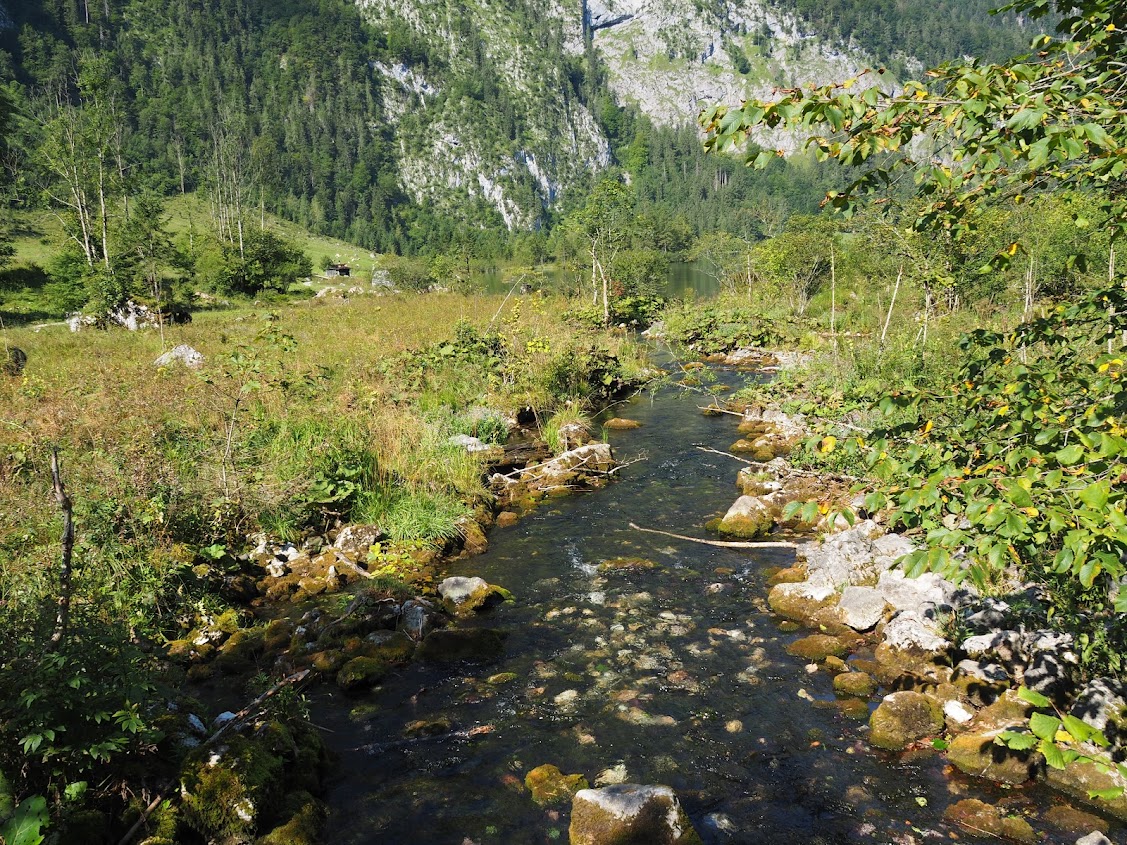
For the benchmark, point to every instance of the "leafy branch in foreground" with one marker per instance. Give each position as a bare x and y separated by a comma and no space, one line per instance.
1020,461
1056,116
1054,737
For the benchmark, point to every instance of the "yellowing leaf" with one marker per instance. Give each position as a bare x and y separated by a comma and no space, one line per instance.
828,444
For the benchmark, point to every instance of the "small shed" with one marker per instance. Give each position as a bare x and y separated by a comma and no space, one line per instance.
334,270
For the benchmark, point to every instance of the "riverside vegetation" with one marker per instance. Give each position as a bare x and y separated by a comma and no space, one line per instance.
297,421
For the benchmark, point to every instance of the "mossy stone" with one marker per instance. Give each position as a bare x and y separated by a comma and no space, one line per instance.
361,673
626,564
902,718
305,816
550,786
854,683
817,647
241,650
989,822
977,754
227,795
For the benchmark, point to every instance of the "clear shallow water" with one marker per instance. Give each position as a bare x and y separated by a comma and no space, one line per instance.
646,670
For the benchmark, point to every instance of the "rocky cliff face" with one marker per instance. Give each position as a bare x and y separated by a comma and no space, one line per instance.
674,58
522,144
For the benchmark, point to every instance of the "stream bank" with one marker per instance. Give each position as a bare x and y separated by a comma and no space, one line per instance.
629,658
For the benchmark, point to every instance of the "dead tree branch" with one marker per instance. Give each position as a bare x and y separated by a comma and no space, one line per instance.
62,614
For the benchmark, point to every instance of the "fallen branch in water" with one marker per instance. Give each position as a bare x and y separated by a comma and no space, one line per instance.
713,409
724,544
380,747
704,448
790,470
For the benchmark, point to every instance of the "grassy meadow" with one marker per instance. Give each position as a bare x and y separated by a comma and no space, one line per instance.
322,411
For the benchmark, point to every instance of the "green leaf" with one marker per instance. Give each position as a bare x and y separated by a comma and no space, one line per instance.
1095,495
1078,728
1033,697
1054,756
24,827
1070,454
1016,741
1109,794
1044,726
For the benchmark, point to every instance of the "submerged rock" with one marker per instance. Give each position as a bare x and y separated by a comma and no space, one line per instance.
989,822
630,814
817,647
626,564
548,785
474,644
1079,780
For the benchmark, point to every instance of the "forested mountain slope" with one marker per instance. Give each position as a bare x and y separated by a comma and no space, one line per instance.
397,123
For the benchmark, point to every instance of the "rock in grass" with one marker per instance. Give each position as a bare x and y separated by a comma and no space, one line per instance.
630,814
357,539
15,363
549,785
902,718
182,354
989,822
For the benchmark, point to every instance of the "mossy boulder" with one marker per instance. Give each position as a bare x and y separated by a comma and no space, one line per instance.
241,650
474,541
817,647
621,424
857,684
229,792
790,575
304,816
362,673
748,517
801,602
454,645
549,786
902,718
464,597
977,754
392,646
986,821
630,814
